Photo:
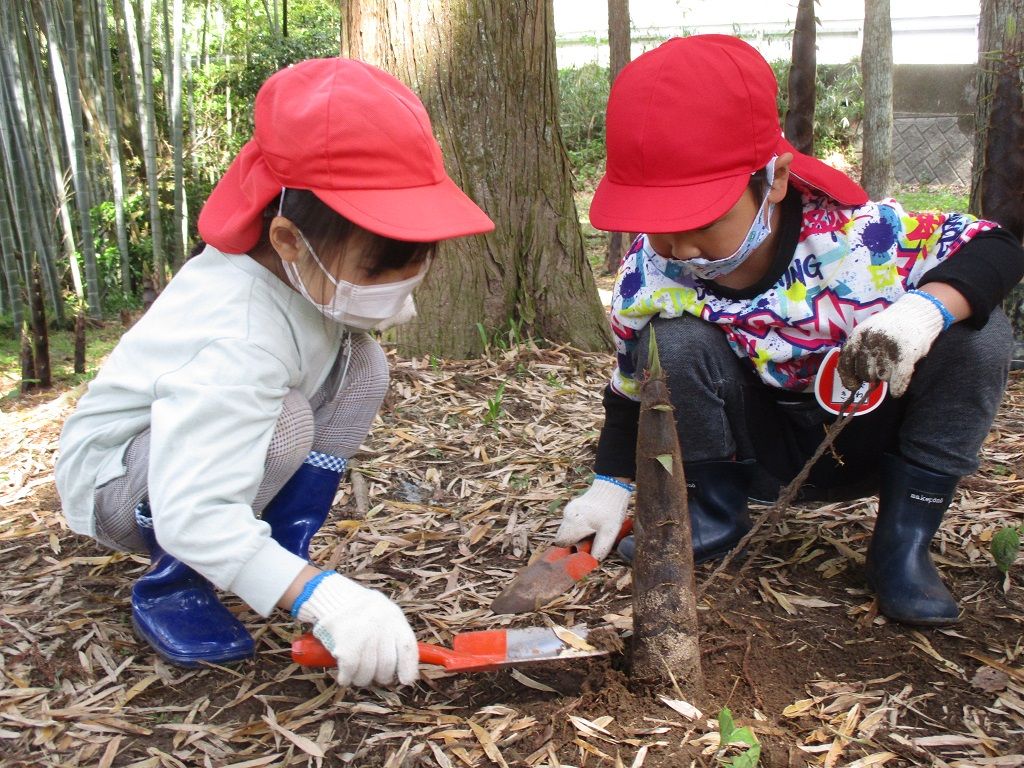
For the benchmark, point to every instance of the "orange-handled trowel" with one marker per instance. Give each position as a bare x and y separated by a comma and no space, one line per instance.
552,573
478,651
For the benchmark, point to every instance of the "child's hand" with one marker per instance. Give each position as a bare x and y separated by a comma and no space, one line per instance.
366,632
599,511
887,346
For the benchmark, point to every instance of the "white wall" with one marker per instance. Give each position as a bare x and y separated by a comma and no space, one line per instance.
937,31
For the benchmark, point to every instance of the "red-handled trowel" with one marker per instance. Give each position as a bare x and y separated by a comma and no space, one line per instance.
554,572
478,651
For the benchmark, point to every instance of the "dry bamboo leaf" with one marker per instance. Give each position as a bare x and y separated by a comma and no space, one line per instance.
307,745
570,638
684,708
879,758
487,742
531,683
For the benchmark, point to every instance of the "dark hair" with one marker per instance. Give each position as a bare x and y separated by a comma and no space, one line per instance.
329,232
758,183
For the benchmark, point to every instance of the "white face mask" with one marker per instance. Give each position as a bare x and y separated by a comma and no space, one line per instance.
361,307
760,228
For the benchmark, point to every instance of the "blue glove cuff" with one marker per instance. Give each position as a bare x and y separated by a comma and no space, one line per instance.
627,486
307,591
947,316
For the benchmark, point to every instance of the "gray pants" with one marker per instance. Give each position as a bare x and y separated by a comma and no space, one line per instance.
724,410
335,421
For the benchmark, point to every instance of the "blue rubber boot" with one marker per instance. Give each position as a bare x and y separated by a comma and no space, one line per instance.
911,503
176,611
716,494
301,507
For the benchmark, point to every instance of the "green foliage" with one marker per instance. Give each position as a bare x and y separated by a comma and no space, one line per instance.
939,199
494,405
730,734
98,340
582,98
838,106
1006,546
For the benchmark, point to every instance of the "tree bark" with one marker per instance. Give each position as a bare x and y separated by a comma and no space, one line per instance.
618,56
24,102
666,636
80,342
114,146
40,335
799,126
64,70
486,72
876,63
997,180
141,51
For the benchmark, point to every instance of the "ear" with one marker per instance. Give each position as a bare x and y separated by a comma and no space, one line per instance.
780,184
284,238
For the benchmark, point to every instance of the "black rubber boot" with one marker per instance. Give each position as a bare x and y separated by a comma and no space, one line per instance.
716,493
911,503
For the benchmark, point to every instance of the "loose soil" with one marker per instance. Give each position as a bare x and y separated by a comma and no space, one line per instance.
445,508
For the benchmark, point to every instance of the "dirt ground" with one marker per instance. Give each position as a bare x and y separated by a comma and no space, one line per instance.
447,504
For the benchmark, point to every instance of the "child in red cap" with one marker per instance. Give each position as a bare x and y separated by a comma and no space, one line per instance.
758,260
216,434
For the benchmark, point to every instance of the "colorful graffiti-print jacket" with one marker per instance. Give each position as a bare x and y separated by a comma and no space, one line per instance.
847,264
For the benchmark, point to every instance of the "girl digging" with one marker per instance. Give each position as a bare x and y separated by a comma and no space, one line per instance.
215,436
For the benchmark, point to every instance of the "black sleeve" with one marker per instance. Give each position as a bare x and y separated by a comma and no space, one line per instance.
616,447
984,271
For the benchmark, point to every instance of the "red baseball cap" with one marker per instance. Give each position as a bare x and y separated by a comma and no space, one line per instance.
687,124
358,139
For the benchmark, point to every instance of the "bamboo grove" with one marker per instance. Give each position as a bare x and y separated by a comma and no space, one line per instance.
116,117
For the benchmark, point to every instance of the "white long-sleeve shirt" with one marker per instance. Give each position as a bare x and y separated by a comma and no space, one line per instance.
206,369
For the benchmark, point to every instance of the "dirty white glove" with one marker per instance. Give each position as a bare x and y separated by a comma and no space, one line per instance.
599,511
366,632
887,346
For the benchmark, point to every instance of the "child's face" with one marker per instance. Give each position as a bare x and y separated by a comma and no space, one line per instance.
348,263
717,240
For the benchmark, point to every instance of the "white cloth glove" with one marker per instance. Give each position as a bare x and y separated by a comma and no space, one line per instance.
366,632
599,511
887,346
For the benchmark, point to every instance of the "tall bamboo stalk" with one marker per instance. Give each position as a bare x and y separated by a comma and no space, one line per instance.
177,137
114,146
142,65
64,71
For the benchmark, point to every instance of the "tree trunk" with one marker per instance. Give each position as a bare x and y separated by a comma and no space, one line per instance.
141,50
28,363
666,637
64,70
997,179
177,138
51,171
12,279
80,342
799,127
24,103
485,69
40,336
114,147
618,57
876,63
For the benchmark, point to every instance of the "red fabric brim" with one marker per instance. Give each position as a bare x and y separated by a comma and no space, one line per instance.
232,218
625,208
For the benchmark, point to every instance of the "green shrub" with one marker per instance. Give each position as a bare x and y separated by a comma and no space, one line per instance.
838,107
